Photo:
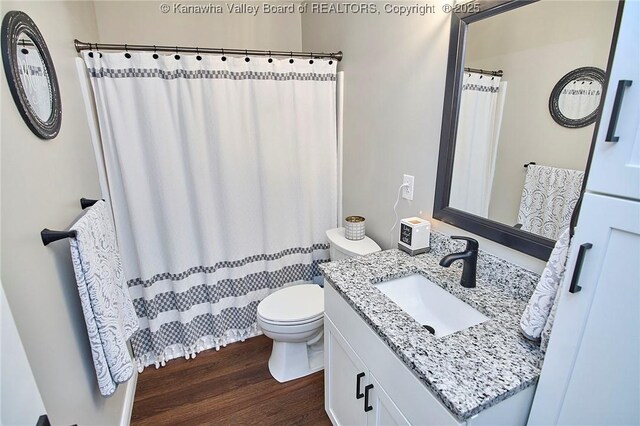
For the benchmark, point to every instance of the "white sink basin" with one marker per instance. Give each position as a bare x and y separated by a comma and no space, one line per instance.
431,305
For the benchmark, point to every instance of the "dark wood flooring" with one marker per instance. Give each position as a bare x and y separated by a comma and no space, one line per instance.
228,387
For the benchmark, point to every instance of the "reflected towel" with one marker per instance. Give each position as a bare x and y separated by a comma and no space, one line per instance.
548,198
106,304
536,315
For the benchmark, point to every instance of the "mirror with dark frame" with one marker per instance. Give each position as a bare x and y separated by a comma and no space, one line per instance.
30,74
575,99
507,171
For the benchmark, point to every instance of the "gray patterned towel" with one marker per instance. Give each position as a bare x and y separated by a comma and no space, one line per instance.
548,198
107,307
536,315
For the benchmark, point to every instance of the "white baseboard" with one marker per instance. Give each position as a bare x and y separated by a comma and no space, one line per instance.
127,407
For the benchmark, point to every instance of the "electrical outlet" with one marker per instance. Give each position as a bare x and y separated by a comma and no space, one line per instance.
407,191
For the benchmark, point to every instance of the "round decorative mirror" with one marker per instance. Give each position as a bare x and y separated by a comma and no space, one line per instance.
575,99
31,75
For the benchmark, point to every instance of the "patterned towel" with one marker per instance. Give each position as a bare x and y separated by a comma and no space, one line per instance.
107,307
537,314
548,198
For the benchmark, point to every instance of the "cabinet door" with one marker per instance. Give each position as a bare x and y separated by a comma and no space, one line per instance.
615,167
384,412
344,373
591,373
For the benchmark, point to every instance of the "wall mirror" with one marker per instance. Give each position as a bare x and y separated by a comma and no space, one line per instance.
507,171
31,75
575,99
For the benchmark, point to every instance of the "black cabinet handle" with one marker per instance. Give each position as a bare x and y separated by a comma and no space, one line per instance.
617,105
574,287
358,393
367,407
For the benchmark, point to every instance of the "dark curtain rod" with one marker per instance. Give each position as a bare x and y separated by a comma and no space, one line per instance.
485,72
81,45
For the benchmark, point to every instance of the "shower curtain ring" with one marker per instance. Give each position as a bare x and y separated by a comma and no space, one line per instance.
155,52
126,49
311,57
177,56
224,58
198,57
291,55
246,58
270,60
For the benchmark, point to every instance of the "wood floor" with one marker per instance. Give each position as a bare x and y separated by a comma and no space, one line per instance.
229,387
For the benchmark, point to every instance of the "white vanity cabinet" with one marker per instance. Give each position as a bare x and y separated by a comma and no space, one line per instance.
591,372
367,384
354,355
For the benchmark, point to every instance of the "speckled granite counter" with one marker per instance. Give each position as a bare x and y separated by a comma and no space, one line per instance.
470,370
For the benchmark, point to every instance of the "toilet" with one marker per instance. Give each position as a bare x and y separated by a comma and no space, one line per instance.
294,316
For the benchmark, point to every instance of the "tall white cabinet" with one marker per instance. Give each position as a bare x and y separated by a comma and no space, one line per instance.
591,373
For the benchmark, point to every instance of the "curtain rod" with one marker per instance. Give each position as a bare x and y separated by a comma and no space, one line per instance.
81,45
485,72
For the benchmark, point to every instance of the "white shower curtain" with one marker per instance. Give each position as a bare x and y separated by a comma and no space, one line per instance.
479,122
222,180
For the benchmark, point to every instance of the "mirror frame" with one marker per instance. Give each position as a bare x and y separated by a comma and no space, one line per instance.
593,73
15,23
509,236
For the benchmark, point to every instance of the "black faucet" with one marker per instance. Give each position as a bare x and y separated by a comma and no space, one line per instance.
470,258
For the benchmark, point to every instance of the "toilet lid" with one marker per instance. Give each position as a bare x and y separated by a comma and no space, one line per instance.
293,304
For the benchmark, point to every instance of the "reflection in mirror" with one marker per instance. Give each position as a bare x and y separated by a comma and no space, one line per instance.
34,77
511,65
575,99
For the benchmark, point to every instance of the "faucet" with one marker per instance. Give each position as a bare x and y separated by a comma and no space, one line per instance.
470,258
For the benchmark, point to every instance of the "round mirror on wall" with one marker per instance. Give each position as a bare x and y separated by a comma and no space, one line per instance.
30,74
575,99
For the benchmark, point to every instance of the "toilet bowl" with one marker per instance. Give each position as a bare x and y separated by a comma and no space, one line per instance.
294,317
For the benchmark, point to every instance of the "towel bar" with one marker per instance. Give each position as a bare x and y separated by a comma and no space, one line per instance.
49,236
530,163
87,202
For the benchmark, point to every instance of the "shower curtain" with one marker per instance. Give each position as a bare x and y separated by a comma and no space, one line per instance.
222,180
479,122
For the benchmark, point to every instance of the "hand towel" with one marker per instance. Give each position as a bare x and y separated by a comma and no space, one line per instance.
535,316
104,296
548,198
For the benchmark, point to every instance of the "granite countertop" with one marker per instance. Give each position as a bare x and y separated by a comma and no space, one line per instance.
470,370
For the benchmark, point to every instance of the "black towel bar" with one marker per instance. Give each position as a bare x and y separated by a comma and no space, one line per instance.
530,163
49,236
87,202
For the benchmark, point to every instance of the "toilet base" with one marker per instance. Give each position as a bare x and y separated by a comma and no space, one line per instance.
291,361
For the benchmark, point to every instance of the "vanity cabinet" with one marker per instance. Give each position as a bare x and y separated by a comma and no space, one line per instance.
367,384
591,372
354,396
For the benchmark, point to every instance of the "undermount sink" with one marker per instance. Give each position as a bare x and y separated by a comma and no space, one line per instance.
431,305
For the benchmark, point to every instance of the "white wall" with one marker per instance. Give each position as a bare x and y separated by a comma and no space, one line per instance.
395,70
20,400
535,46
42,182
142,22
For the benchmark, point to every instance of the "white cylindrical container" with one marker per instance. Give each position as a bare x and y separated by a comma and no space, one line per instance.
354,228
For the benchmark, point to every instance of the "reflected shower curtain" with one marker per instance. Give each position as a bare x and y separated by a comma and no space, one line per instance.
479,124
222,180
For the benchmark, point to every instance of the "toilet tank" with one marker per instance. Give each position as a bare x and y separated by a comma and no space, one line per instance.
342,248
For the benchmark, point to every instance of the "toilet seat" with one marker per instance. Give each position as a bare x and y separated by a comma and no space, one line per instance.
295,305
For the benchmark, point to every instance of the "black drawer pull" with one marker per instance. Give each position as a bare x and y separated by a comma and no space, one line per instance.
574,287
615,112
358,393
367,407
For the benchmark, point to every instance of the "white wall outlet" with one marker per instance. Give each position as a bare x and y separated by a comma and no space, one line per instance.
407,191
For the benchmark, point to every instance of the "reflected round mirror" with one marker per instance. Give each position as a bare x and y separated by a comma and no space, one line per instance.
575,99
30,74
34,77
